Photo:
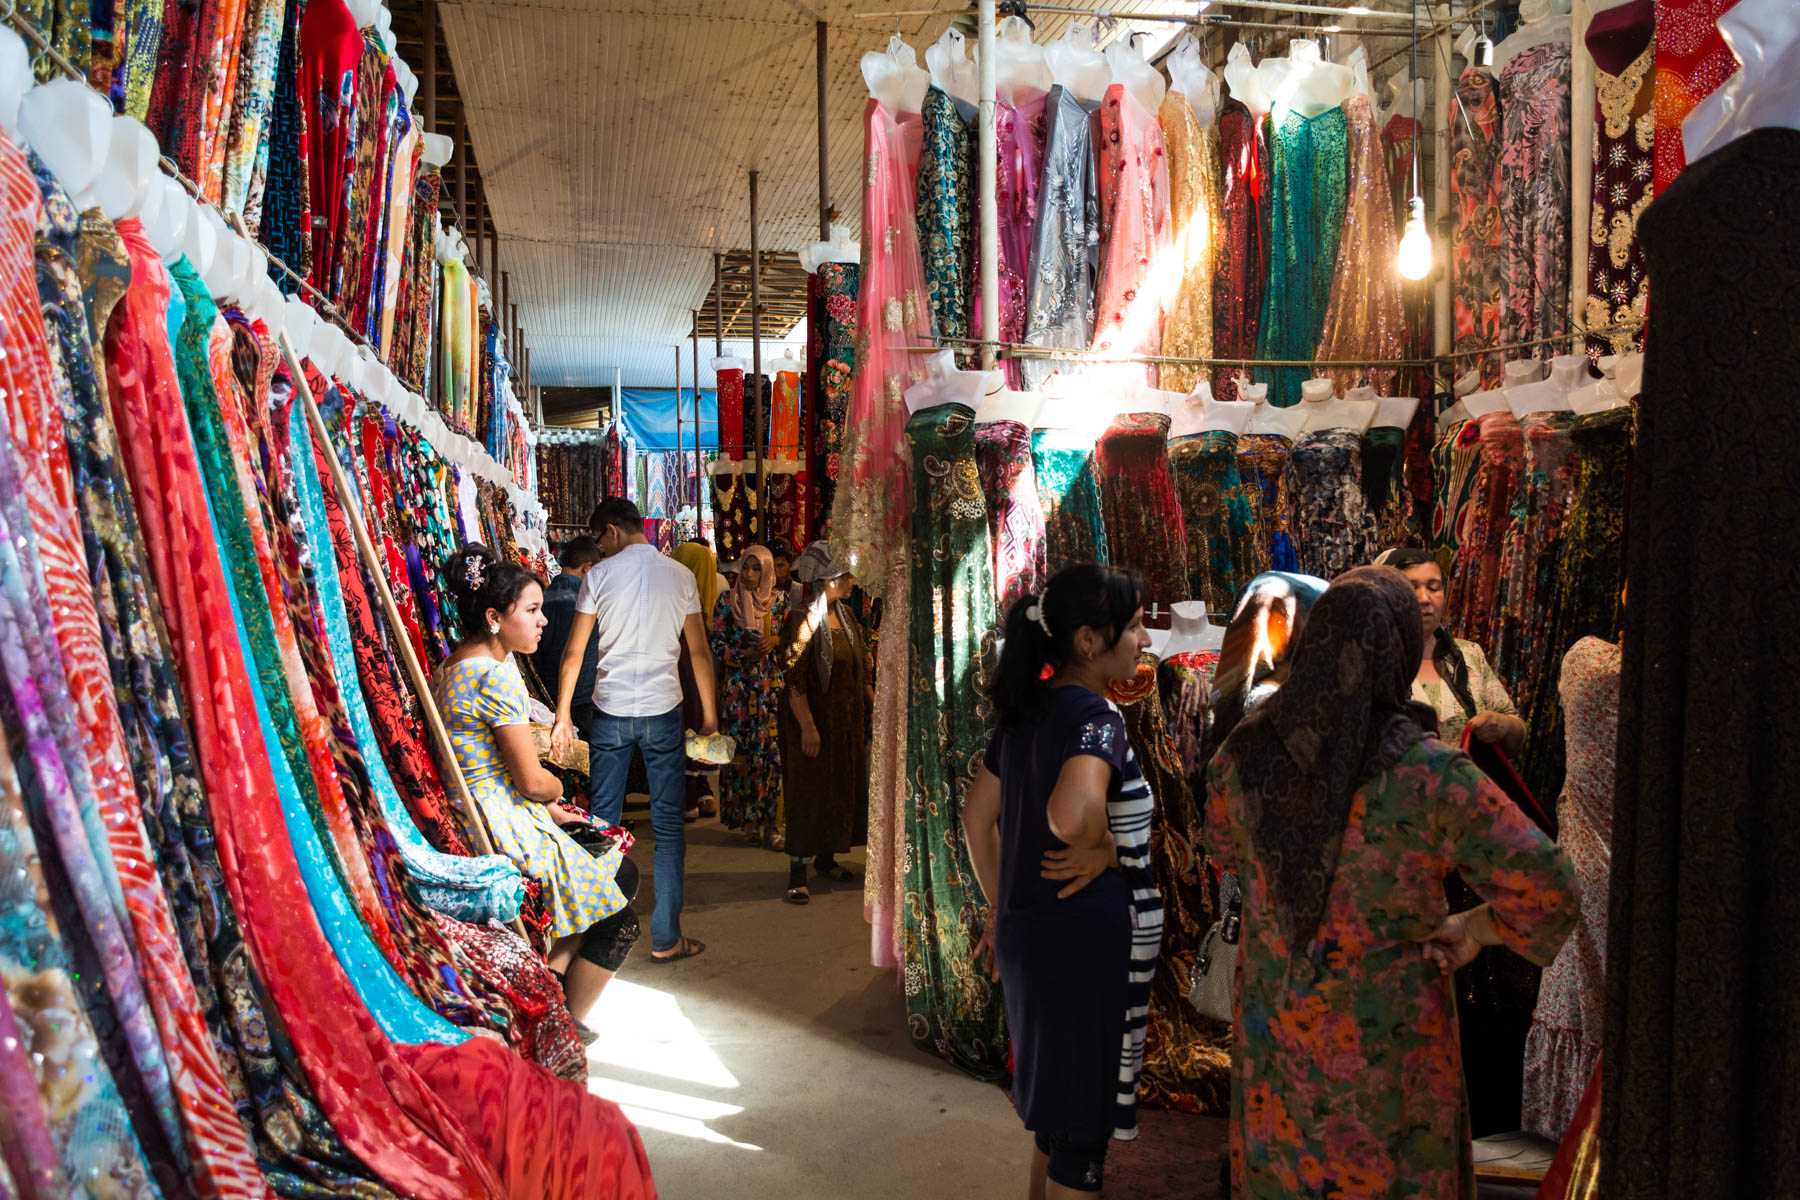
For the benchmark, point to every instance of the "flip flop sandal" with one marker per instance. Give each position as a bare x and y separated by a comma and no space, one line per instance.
836,871
798,895
588,1036
688,949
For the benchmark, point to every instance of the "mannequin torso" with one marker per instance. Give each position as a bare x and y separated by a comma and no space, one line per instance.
950,68
1400,98
1396,411
1246,82
1545,21
70,127
944,384
1324,411
1143,81
1189,630
1020,72
1269,419
1190,76
130,168
1078,67
842,248
1004,404
1303,82
895,77
1552,394
1200,413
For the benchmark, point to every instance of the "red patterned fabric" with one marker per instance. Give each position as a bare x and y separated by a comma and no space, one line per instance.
1692,60
1145,530
731,413
1243,267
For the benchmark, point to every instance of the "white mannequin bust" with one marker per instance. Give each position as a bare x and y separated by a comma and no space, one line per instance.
1135,397
201,244
1076,66
15,79
364,12
1543,21
1200,413
1268,418
130,167
944,384
1395,411
230,264
1197,84
1246,82
1189,630
1304,82
1400,97
840,248
1567,372
895,77
299,321
786,364
1358,62
1143,81
1001,403
1764,92
1020,72
168,215
1325,411
70,127
952,72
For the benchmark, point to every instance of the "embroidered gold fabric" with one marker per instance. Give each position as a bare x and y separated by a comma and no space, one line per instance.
1624,131
1364,319
1196,180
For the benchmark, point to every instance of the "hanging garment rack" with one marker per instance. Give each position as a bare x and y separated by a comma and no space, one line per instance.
1443,26
1578,333
1166,18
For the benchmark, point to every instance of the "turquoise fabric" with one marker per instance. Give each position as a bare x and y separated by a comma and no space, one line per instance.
1311,174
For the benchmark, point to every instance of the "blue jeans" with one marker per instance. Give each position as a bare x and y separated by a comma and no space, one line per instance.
660,740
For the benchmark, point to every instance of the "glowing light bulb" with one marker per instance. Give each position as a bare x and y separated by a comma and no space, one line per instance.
1415,243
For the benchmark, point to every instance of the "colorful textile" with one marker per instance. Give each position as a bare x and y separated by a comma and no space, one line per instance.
1692,60
1218,515
1065,246
1475,572
1363,318
1455,460
834,322
1015,512
1332,522
946,210
1534,190
1478,254
750,687
1019,146
1145,530
1533,540
1621,41
1242,273
1137,233
953,1010
252,102
1068,484
1194,198
1306,202
1344,1046
1384,485
1264,462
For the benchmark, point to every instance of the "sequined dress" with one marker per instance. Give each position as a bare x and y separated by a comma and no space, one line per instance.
1363,318
1242,271
1065,244
1336,530
1306,220
1144,525
1194,186
1136,232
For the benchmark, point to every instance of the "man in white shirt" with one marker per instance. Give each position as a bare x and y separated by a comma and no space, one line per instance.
643,606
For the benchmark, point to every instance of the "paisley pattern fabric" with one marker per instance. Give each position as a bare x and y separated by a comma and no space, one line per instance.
1068,484
1455,458
953,1010
1065,245
1136,229
892,313
1015,512
1534,190
1307,201
1335,529
243,152
1475,572
1242,273
1264,464
1145,530
946,208
1217,512
1478,253
1363,318
1194,198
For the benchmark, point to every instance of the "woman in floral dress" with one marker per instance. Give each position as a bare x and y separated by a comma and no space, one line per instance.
746,626
1341,814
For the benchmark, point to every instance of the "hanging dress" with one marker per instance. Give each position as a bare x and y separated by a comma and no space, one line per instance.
1363,318
1015,511
1136,232
1068,483
1475,571
1533,541
1194,187
1384,485
1144,527
946,207
1478,256
1019,143
1065,246
1264,464
1217,513
1335,528
1621,43
750,693
1242,271
1534,191
1306,220
953,1011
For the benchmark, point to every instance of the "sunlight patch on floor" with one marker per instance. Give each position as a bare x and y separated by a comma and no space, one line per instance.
642,1029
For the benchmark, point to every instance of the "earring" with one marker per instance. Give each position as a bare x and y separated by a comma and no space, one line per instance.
493,629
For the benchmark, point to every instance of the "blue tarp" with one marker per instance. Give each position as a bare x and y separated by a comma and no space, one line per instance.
649,418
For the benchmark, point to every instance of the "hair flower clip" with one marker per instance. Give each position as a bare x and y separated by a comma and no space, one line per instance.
1036,613
475,571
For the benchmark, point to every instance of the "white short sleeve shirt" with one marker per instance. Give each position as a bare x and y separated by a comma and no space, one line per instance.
640,600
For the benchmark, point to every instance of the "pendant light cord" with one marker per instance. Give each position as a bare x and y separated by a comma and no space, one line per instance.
1418,140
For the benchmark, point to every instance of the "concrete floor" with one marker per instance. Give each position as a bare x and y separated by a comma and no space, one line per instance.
777,1063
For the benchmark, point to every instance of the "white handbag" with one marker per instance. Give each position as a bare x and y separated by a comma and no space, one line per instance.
1212,981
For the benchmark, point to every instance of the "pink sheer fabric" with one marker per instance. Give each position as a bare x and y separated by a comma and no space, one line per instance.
1139,269
869,512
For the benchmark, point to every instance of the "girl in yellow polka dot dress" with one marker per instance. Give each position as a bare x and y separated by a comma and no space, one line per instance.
488,715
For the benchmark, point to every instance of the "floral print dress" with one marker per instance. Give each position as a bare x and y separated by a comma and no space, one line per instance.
1345,1059
749,711
1336,530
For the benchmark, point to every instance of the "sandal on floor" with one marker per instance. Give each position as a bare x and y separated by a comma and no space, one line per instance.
798,895
709,808
691,815
588,1036
686,948
836,871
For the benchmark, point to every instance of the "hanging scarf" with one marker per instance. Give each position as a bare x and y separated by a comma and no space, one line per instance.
698,558
1342,717
1270,612
751,607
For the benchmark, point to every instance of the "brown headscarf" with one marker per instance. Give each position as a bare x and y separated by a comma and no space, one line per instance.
1342,717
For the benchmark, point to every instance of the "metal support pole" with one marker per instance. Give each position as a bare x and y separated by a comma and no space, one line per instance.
990,217
462,175
718,304
762,467
824,140
512,336
695,314
677,498
428,81
1444,244
483,267
1581,166
503,306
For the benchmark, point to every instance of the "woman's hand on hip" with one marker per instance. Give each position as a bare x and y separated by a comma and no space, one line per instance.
1080,865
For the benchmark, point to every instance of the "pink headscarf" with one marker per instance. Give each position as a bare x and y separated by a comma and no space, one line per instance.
751,607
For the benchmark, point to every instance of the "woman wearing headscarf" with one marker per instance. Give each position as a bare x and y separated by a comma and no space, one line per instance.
824,731
746,626
697,556
1270,612
1342,813
1454,679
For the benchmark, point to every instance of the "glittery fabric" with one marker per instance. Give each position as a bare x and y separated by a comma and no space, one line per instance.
1363,318
1478,253
1242,271
1194,203
952,1011
1624,142
884,883
1217,513
1384,485
834,321
1692,60
1015,512
1019,134
1137,236
1068,484
892,313
1335,529
946,208
1065,246
1534,191
1144,526
1264,461
1306,220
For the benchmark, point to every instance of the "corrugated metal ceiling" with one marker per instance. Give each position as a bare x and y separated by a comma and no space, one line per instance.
615,141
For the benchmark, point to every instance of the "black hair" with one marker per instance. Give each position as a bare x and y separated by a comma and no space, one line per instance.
700,541
1100,597
616,511
480,580
779,549
582,551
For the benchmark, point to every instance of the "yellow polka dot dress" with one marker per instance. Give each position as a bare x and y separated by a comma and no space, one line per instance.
477,695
